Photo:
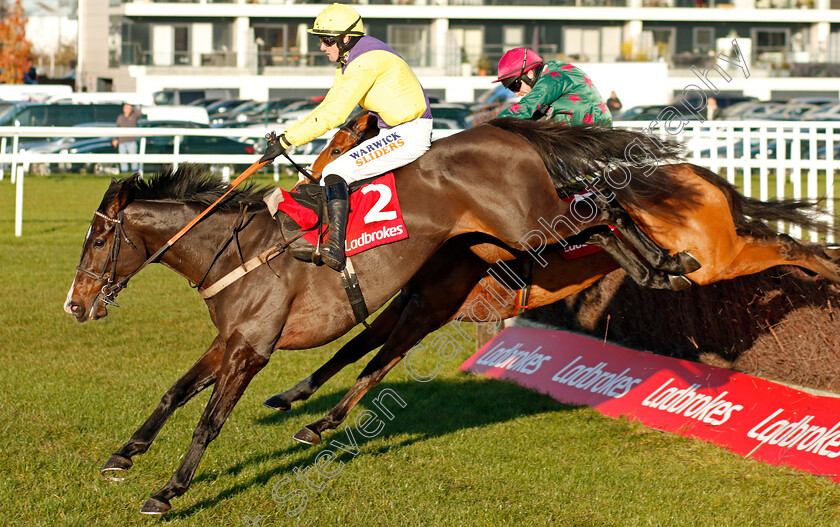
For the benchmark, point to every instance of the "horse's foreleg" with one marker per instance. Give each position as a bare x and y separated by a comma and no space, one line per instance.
363,343
661,259
198,377
239,365
641,273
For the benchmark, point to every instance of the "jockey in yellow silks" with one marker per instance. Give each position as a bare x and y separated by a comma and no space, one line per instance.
371,74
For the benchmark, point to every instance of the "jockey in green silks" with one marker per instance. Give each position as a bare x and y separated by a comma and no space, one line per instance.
553,89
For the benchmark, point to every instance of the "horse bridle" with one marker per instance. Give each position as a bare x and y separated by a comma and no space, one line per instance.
112,287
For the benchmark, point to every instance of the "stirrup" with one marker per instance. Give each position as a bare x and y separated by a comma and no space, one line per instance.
302,250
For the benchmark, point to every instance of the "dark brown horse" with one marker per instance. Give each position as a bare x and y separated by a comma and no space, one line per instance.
457,188
491,301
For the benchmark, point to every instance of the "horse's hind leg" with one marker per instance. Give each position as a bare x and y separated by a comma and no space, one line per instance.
436,294
641,273
239,365
362,344
756,255
661,259
198,377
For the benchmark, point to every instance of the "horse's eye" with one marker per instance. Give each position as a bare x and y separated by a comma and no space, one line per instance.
99,243
335,152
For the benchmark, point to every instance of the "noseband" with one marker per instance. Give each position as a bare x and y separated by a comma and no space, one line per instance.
112,287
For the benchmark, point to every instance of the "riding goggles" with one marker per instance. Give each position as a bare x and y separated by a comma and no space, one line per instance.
329,40
514,84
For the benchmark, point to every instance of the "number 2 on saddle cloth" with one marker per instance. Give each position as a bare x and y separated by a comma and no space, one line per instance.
375,216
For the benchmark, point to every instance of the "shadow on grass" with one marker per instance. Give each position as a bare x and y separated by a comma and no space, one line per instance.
433,409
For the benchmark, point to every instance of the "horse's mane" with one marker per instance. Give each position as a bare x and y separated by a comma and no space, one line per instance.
190,183
575,154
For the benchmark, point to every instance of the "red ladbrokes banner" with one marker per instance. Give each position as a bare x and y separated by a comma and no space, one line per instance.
748,415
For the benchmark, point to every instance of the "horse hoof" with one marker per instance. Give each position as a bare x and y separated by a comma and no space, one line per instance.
690,263
116,464
679,282
155,506
278,402
308,436
832,251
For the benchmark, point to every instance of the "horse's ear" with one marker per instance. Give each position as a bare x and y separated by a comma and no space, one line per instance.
121,197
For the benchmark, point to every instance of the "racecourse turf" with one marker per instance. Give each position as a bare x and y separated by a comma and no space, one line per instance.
462,451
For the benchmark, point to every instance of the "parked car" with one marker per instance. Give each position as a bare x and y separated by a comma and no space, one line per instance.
761,110
61,114
157,145
826,112
231,114
453,113
790,111
205,101
9,109
224,106
265,111
652,113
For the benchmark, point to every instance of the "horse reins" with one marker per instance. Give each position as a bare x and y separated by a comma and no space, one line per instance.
113,287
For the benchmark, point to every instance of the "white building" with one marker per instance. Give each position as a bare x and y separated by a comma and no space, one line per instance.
642,49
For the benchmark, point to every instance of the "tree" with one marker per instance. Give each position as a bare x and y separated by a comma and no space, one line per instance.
14,48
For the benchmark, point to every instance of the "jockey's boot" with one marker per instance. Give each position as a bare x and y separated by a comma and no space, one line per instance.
332,251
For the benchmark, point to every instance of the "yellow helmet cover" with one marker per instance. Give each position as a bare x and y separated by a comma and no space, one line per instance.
338,19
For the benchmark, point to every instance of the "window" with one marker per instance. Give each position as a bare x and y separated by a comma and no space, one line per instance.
412,43
136,43
703,40
770,45
114,41
181,44
277,44
582,44
469,42
513,37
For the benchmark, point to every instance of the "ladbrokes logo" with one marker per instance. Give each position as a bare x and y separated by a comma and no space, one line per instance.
801,435
376,236
514,359
691,404
596,379
377,149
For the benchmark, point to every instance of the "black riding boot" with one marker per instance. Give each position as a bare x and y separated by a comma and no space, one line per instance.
338,204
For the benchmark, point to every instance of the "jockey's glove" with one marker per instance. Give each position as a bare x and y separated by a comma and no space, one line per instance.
275,146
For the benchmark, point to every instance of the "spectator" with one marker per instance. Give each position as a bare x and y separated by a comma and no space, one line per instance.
712,110
127,145
30,76
614,104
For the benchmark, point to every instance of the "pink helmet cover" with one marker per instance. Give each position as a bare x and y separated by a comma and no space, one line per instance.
517,61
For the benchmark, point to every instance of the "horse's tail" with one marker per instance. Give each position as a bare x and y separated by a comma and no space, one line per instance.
750,214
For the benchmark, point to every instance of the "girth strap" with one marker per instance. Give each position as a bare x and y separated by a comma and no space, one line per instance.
523,296
241,271
354,293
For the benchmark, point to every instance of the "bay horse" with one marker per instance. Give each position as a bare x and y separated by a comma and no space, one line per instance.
557,277
456,188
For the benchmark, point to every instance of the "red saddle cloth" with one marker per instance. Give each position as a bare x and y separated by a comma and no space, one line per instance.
375,216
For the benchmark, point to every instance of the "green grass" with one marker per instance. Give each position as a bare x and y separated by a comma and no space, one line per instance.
464,450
